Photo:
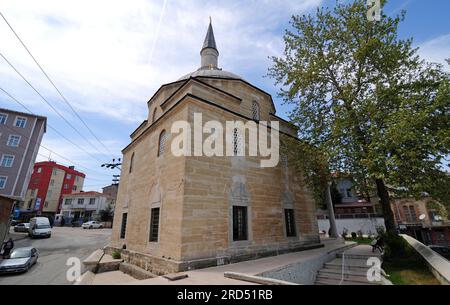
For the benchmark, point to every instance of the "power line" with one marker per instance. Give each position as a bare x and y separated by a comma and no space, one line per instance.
49,104
55,153
54,86
50,126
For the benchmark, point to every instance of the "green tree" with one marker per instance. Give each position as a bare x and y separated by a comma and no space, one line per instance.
366,99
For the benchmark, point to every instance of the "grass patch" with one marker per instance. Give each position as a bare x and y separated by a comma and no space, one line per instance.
411,270
360,240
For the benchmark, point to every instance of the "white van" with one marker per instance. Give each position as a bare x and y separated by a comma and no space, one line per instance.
39,226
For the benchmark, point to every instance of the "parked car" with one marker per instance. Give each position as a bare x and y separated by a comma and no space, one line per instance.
22,227
20,260
442,250
92,225
39,227
14,222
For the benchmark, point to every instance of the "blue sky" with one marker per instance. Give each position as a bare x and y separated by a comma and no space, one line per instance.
109,57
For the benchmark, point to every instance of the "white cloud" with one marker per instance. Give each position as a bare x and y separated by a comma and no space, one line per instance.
436,50
99,51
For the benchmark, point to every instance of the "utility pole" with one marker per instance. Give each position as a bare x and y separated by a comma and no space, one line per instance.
114,164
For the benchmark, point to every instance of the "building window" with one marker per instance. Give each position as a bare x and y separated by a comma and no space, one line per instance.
52,182
68,176
255,111
80,200
154,116
410,214
20,122
123,228
239,223
54,172
77,178
46,204
162,143
238,149
39,170
154,225
66,186
13,141
91,201
68,201
290,222
131,162
3,182
7,161
3,117
74,188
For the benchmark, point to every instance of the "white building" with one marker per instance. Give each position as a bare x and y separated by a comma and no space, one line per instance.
85,205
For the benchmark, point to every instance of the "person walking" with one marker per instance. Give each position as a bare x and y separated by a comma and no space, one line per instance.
7,247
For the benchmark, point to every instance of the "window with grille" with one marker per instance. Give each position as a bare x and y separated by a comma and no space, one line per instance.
154,224
91,201
123,227
255,111
162,143
238,149
68,201
290,222
239,223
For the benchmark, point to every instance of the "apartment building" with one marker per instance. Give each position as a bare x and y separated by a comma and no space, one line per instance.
20,137
49,183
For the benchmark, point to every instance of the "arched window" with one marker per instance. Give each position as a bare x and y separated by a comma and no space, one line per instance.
237,143
162,143
131,163
154,116
255,111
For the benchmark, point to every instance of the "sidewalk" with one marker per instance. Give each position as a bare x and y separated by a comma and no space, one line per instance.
215,275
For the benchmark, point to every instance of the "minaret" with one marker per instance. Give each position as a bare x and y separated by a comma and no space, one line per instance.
209,52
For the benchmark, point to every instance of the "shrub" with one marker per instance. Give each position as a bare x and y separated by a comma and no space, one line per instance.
360,234
395,247
344,233
353,235
116,254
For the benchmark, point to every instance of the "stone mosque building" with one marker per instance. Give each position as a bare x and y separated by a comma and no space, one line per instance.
179,213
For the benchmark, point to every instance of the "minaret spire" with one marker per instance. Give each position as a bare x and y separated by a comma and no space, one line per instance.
209,53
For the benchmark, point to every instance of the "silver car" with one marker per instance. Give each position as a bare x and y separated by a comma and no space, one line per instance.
22,227
20,260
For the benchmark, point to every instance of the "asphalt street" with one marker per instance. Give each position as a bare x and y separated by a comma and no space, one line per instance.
64,243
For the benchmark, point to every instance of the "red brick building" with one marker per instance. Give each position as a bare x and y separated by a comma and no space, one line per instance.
48,183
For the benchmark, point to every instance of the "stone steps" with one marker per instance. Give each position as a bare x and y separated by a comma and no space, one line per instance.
357,256
354,278
338,282
354,271
349,264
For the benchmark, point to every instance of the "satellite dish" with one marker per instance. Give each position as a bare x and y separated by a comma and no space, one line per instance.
422,217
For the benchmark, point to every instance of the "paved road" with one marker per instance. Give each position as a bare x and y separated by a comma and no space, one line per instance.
54,252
